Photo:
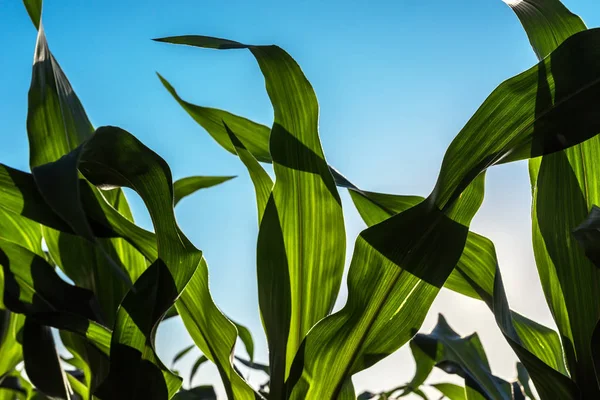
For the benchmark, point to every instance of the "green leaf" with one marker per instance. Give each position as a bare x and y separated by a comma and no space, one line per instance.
112,157
263,185
14,387
451,391
34,9
424,364
42,362
201,360
182,353
289,249
548,23
186,186
57,124
464,356
92,362
254,136
246,338
211,331
523,378
564,188
474,275
178,266
10,341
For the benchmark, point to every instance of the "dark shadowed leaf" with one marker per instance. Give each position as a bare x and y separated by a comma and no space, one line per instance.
42,362
564,188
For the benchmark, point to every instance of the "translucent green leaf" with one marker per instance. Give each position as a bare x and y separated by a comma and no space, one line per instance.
191,184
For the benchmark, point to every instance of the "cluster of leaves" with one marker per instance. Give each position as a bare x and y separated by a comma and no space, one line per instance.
126,280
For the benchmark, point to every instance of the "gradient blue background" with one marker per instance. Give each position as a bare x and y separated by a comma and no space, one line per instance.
396,81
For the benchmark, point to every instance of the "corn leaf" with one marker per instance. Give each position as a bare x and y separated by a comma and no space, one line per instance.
186,186
263,185
182,353
10,341
42,362
201,360
523,379
299,275
451,391
255,137
564,186
462,356
56,125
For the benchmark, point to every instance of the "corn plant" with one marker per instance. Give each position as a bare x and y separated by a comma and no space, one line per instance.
126,280
416,236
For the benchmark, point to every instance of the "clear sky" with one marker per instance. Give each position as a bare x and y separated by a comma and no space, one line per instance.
396,81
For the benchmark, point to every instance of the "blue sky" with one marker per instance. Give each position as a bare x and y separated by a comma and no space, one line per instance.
396,81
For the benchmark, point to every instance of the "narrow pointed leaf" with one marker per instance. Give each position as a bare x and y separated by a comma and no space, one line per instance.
201,360
246,338
254,136
263,185
187,186
182,354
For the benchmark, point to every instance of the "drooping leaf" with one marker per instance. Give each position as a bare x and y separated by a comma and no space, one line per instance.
255,137
201,360
186,186
135,370
263,185
178,266
289,249
182,353
246,338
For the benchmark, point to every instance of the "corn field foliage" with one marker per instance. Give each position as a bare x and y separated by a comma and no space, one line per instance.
68,217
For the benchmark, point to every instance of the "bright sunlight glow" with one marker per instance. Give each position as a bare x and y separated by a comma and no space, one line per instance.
513,3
